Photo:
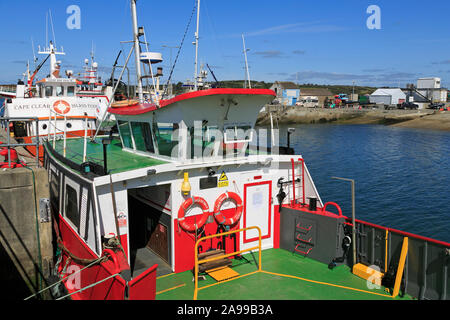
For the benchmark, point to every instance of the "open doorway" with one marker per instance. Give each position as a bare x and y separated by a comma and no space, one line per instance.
149,234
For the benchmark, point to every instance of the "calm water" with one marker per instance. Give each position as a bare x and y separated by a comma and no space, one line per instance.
402,176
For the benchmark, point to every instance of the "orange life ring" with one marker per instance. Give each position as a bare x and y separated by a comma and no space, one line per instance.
220,217
61,106
186,205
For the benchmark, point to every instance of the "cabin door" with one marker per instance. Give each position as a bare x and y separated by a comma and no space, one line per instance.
257,212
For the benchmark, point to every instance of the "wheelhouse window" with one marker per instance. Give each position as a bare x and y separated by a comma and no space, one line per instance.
48,91
125,134
142,136
238,133
59,91
71,206
202,140
70,91
166,139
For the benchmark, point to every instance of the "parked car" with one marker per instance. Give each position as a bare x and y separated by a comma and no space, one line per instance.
408,105
436,106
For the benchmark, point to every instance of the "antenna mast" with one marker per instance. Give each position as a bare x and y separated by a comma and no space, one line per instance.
137,51
196,46
246,64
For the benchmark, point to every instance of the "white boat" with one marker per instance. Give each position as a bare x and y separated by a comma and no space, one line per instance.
62,105
187,178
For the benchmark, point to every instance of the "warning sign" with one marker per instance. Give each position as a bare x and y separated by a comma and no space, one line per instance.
223,180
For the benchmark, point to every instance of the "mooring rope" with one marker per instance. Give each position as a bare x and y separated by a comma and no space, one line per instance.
99,260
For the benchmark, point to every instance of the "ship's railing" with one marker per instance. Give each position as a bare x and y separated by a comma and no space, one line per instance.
53,117
426,269
6,121
197,262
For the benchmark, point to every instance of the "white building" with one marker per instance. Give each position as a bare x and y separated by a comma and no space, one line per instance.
429,83
431,89
388,96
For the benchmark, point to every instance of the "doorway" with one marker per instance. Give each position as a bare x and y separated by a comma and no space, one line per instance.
149,236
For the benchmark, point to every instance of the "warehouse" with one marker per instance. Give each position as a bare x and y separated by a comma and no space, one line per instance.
388,96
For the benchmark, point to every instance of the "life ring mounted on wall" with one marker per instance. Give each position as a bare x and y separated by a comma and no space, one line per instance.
191,227
61,106
220,217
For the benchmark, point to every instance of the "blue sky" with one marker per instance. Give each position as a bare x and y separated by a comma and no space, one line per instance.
322,41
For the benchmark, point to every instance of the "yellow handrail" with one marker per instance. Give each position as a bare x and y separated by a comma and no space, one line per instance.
224,256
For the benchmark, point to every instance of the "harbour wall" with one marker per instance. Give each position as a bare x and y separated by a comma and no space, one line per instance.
26,249
423,118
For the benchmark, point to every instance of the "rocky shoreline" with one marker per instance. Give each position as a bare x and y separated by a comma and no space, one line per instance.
420,119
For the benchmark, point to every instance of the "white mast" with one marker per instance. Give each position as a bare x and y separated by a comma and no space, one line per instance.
196,46
246,64
54,65
137,51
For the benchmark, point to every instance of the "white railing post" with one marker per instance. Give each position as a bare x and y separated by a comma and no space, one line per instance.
85,138
48,126
65,129
54,133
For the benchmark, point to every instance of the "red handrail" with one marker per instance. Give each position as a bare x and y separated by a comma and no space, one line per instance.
333,204
303,178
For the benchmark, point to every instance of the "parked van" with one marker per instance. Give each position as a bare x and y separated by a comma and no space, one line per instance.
308,102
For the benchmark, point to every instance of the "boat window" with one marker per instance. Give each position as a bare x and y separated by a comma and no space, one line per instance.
54,191
48,91
71,206
70,91
142,136
203,145
125,133
241,133
59,91
165,138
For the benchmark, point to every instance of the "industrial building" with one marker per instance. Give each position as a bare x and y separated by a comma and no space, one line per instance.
287,92
388,96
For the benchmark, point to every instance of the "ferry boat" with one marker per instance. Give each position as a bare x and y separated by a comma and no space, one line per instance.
188,201
57,106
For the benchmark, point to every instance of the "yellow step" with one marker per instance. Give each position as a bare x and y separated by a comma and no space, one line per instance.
367,273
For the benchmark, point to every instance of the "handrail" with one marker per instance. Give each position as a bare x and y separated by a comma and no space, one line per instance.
333,204
65,118
196,262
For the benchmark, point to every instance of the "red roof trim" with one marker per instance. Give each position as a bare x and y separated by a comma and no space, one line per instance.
134,110
217,91
147,107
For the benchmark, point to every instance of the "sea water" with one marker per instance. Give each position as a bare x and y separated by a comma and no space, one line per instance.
402,176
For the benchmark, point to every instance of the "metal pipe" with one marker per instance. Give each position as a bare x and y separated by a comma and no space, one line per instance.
112,96
54,132
85,140
64,142
37,142
9,142
353,215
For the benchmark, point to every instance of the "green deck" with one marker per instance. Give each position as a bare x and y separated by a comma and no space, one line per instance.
117,159
292,277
